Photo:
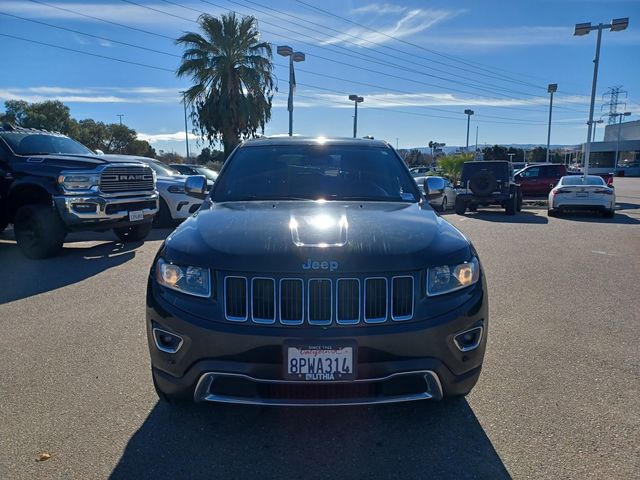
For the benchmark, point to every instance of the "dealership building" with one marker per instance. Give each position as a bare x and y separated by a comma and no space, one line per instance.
623,138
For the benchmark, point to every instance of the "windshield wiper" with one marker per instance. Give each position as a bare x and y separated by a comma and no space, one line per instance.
35,153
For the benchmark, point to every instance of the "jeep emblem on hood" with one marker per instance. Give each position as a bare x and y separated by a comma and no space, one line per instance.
330,265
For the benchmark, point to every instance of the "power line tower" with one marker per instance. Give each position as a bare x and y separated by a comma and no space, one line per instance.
614,94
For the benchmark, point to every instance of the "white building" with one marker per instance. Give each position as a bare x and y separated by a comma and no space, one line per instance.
603,153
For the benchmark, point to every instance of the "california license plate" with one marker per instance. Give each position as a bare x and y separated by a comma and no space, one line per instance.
136,216
582,194
319,362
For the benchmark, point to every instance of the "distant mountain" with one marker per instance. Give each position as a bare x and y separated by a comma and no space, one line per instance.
527,146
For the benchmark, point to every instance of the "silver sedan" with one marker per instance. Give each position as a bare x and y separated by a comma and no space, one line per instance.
448,200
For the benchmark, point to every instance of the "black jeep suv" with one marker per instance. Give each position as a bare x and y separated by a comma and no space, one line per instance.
315,273
488,183
51,185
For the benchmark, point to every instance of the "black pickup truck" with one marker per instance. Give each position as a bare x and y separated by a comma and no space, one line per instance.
315,273
51,185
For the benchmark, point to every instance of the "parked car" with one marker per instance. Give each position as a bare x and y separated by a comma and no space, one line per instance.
539,179
484,183
51,185
447,200
421,171
574,193
175,204
192,169
315,273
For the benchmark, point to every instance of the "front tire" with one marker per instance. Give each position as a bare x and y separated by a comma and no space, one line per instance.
133,233
460,207
39,231
163,217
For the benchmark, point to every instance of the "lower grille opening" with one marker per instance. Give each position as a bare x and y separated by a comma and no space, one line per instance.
240,387
129,207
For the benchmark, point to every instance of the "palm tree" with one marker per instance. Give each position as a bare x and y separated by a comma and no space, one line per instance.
232,78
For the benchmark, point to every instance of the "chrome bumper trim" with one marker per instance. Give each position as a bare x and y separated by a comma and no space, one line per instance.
65,204
203,393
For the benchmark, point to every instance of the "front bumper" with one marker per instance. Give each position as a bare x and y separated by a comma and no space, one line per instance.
87,211
239,363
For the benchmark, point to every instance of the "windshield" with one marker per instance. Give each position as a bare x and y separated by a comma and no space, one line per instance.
160,168
578,180
27,143
210,174
313,172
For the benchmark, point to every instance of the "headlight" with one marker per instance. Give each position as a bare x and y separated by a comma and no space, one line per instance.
186,279
449,278
78,180
175,189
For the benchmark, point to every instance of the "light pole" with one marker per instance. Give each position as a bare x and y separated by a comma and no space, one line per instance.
356,100
552,88
287,51
186,129
468,113
615,159
120,115
616,25
595,124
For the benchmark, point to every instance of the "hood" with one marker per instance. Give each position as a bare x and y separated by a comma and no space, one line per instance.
337,237
70,162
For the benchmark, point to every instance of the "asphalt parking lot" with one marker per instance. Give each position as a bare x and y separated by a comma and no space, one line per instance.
558,397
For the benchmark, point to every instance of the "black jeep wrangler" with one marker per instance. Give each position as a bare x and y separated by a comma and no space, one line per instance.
488,183
51,185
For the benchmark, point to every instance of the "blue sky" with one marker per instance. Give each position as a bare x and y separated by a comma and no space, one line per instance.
418,64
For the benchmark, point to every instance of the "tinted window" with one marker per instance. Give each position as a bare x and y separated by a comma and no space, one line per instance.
160,168
25,143
210,174
331,172
530,172
578,180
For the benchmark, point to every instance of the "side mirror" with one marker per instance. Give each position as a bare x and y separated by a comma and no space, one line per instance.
433,187
196,186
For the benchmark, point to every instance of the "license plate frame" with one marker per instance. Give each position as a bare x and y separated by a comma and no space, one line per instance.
582,194
344,352
136,216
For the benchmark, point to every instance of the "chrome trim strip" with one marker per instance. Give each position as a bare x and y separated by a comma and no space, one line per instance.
264,321
202,392
246,300
320,322
292,322
473,346
413,296
386,296
348,321
164,349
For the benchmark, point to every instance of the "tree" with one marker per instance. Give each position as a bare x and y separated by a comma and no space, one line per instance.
209,156
452,165
51,115
232,78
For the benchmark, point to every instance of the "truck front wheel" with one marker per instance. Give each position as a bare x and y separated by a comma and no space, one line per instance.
133,233
460,206
39,231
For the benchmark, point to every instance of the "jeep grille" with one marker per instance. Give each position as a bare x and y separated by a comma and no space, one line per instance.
318,301
116,179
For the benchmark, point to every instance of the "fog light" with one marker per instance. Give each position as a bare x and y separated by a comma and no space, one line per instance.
469,339
166,341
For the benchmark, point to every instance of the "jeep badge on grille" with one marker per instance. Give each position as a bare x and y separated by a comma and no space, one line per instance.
326,265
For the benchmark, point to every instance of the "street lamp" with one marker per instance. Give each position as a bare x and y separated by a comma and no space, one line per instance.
595,124
615,159
468,113
552,88
356,100
287,51
616,25
186,128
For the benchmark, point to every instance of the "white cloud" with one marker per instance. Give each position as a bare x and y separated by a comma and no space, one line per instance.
137,95
409,24
166,137
379,9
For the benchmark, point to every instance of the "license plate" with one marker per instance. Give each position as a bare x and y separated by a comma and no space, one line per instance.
319,362
136,216
582,194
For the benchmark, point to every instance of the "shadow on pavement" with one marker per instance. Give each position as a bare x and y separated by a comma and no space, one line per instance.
74,264
500,217
405,441
596,217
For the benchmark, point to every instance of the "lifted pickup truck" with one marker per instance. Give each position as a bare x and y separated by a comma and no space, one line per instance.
538,180
51,185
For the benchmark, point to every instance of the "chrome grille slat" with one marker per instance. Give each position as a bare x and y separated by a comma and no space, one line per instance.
348,301
263,300
319,301
402,298
291,301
